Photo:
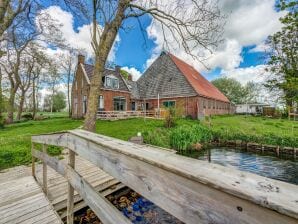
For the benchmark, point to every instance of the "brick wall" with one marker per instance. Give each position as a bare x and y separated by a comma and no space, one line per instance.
190,106
80,89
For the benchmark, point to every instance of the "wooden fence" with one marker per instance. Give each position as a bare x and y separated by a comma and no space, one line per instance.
119,115
193,191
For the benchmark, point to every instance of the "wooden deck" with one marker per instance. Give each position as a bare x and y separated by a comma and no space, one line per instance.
57,184
19,191
23,201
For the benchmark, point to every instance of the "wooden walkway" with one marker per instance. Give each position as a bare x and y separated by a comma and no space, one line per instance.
57,184
23,201
19,189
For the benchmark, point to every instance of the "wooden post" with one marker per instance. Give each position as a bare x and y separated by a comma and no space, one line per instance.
45,171
33,161
70,196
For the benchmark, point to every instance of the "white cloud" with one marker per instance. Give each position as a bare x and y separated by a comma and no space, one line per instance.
136,74
257,74
262,47
80,39
248,23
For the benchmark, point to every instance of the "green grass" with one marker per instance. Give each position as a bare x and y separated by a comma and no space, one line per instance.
255,125
259,129
15,141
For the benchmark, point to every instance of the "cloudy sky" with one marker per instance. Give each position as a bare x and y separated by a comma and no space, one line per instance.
249,22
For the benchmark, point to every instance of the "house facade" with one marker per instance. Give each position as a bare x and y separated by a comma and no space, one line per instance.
168,82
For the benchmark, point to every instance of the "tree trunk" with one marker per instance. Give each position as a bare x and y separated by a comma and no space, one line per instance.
10,106
102,51
1,96
33,100
68,94
21,105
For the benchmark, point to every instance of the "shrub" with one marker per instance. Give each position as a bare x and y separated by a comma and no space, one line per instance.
2,120
184,137
158,137
28,116
170,119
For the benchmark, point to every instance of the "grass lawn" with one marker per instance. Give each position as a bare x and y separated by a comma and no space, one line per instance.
15,144
255,125
15,139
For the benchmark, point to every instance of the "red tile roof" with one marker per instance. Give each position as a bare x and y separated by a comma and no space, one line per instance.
201,85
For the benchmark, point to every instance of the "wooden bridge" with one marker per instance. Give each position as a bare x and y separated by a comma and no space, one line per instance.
193,191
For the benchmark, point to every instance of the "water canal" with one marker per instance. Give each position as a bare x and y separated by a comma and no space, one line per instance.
279,168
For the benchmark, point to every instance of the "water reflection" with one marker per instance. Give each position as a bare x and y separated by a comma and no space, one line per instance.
264,165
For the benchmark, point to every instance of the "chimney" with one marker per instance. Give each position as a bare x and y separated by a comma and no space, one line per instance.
129,77
117,69
81,59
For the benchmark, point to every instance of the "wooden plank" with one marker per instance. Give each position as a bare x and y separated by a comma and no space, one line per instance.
192,190
26,203
78,206
98,203
44,172
151,175
70,194
33,161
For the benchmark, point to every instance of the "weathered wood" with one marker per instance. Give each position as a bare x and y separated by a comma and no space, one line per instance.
44,172
70,195
25,202
33,160
98,203
192,190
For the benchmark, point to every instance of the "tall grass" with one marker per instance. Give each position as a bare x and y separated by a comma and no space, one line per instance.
184,137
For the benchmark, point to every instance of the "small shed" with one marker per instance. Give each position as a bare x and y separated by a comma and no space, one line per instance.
250,108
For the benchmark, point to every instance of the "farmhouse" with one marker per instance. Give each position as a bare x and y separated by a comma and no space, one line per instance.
168,82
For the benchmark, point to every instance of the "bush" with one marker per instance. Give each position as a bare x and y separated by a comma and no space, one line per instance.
2,120
28,116
170,119
184,137
158,137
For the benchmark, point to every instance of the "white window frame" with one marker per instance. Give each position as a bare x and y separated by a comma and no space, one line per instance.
109,82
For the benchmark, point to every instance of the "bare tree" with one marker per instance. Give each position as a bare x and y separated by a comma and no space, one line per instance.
54,77
68,62
12,66
28,27
9,10
187,23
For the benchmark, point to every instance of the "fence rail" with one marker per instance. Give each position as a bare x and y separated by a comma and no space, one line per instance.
118,115
193,191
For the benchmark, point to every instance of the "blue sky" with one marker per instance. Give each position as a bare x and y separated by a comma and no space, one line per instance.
240,55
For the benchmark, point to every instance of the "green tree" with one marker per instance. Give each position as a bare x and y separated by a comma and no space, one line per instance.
232,89
124,73
283,56
59,102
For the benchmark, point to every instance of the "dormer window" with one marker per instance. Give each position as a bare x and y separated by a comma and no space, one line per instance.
111,82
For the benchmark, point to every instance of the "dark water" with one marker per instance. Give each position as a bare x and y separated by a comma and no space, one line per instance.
263,165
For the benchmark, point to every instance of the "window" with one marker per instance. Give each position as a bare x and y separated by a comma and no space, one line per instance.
111,82
134,106
169,103
119,103
100,103
84,104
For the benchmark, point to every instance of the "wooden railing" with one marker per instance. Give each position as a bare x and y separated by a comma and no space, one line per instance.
193,191
118,115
